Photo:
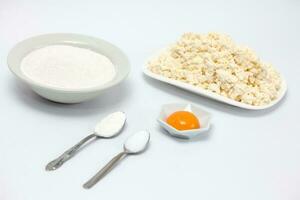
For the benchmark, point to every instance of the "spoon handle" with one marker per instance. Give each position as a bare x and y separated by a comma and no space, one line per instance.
53,165
105,170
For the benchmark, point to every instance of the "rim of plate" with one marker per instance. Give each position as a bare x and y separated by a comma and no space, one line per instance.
114,53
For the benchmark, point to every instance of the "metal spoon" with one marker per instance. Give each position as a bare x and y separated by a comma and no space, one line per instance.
135,144
108,127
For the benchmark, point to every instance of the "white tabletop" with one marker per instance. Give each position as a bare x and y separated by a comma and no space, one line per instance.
247,155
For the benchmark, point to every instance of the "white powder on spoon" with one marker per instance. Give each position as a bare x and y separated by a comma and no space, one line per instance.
67,67
137,142
111,125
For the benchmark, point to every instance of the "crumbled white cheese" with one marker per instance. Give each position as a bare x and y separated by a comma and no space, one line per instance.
214,62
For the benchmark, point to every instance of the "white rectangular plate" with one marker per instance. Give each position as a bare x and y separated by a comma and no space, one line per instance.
215,96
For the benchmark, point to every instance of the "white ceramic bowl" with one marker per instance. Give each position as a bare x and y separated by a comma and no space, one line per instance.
117,57
203,116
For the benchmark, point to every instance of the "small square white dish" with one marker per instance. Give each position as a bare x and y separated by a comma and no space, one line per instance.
203,116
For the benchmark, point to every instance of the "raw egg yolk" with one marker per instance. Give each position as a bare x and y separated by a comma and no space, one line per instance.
183,120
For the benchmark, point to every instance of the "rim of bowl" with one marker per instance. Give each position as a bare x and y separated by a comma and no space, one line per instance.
60,37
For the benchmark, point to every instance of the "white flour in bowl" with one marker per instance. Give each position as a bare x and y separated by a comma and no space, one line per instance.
67,67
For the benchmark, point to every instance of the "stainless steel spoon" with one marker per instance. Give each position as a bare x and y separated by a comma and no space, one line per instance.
108,127
135,144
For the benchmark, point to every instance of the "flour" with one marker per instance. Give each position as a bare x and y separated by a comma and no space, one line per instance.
137,142
67,67
110,125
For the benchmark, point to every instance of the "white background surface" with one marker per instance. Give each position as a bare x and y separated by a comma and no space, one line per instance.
248,155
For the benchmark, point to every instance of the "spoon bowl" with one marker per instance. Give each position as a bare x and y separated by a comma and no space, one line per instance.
110,126
137,143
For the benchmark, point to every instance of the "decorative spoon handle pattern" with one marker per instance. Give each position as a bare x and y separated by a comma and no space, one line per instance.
53,165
